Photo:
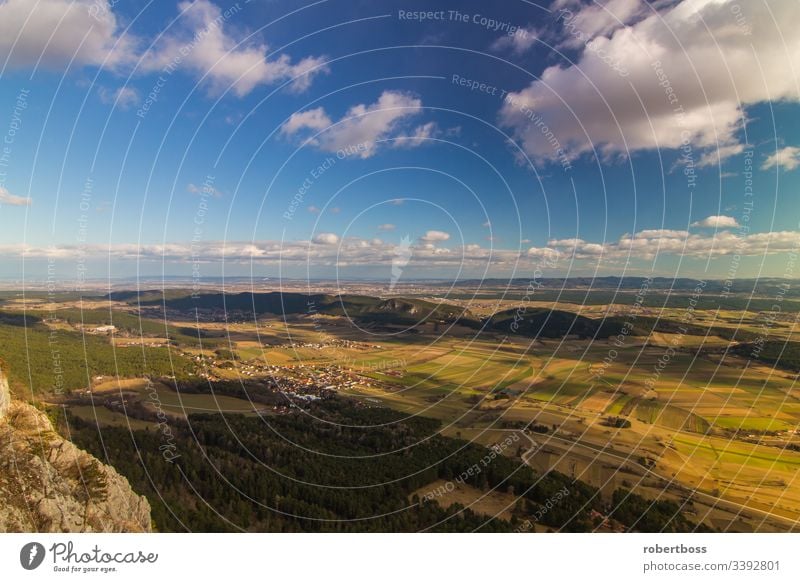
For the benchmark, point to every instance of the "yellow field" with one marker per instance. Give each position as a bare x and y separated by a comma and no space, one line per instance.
489,504
714,428
686,425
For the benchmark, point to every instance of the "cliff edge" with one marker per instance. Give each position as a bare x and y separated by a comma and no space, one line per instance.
47,484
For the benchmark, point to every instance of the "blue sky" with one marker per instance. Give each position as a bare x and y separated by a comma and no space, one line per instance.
272,137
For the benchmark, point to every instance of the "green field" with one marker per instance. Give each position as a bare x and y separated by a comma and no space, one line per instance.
186,404
709,416
104,417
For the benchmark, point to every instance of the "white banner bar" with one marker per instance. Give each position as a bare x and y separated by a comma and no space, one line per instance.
400,557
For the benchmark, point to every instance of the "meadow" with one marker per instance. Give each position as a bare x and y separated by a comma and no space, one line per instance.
706,410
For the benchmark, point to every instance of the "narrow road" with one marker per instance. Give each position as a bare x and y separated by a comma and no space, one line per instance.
716,501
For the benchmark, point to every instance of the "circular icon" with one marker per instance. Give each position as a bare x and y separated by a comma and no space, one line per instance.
31,555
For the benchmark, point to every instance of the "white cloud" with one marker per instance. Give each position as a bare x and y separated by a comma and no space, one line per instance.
711,68
10,199
55,33
313,209
519,42
315,119
326,238
51,33
597,18
717,222
719,154
387,226
648,244
124,97
418,136
360,128
204,46
434,236
660,233
787,158
328,249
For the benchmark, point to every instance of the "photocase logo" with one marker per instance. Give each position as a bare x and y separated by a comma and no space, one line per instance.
402,256
31,555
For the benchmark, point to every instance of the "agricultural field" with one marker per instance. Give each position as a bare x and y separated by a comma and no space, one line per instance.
706,410
104,417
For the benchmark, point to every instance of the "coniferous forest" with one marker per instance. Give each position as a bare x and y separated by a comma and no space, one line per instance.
339,467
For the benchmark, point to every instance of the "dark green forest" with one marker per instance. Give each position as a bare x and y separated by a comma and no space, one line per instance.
38,359
337,467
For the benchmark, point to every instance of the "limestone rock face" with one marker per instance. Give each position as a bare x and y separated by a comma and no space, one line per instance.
47,484
5,396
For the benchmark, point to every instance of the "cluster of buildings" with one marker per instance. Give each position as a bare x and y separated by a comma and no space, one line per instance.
301,381
101,329
328,343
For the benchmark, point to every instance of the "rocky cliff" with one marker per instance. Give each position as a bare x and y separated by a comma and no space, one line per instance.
47,484
5,396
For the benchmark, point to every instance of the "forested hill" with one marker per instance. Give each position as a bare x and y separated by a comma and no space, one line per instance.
391,310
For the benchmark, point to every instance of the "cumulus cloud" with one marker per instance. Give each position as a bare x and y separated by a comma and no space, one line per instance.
326,238
328,249
518,43
202,44
648,244
387,226
597,18
787,158
434,236
51,33
718,154
314,119
689,72
10,199
361,127
418,136
58,33
717,222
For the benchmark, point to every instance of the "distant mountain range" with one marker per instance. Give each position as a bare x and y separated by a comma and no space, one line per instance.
534,322
359,307
745,286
